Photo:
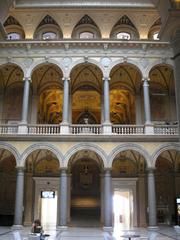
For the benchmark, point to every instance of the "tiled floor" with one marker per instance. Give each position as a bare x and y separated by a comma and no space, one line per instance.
163,233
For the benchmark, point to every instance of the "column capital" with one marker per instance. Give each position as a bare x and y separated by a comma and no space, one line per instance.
63,170
106,78
151,169
20,169
107,170
145,79
27,79
66,78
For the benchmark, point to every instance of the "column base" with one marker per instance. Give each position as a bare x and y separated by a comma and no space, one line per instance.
107,128
62,228
107,229
17,227
22,128
152,228
65,128
149,129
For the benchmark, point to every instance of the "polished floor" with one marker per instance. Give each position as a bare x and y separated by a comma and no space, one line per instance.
83,233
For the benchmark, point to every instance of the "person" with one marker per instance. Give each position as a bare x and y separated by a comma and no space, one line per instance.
36,227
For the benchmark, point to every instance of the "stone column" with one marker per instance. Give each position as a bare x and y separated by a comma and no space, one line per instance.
107,128
176,47
107,200
147,109
25,105
152,199
19,198
65,113
63,211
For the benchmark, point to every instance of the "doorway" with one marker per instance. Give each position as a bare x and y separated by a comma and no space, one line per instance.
85,193
123,209
48,209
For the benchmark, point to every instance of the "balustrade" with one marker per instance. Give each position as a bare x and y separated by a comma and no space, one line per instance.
88,129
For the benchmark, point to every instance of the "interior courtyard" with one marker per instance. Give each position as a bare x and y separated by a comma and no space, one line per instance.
89,119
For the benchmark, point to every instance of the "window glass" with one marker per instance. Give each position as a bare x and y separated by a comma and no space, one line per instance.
86,35
123,35
156,36
13,36
49,35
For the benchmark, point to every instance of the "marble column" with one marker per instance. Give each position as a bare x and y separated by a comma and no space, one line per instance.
147,109
149,129
65,113
19,198
63,211
65,118
176,47
152,199
106,100
107,199
106,124
25,104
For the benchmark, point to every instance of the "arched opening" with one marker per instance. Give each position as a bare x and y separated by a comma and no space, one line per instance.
8,187
48,29
11,92
124,29
86,28
125,95
13,29
129,181
162,95
167,191
86,89
47,94
85,210
42,182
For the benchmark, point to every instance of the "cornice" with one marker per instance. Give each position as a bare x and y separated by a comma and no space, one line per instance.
83,43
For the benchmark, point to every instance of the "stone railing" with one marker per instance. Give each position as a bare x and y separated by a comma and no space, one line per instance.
128,129
86,129
44,129
166,129
8,129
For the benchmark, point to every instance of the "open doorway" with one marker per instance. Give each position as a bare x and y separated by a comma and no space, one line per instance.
123,209
48,209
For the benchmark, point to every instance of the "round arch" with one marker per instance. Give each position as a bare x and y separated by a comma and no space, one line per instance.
42,146
157,63
18,64
12,150
163,148
137,65
38,63
88,61
125,147
85,146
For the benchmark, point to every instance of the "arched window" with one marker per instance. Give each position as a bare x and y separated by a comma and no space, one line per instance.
13,36
86,28
123,36
48,29
13,29
86,35
124,29
156,36
154,30
49,35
